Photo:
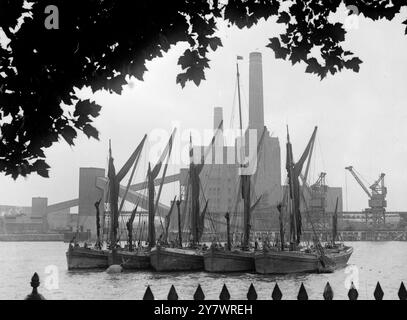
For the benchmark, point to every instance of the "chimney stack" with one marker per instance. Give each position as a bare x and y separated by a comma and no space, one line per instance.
218,146
256,107
217,117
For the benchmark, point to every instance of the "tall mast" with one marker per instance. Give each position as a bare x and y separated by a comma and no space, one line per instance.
245,179
238,93
291,200
114,181
179,225
151,224
151,176
113,197
335,222
194,179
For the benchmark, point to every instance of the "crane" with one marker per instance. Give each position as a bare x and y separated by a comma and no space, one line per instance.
316,200
377,197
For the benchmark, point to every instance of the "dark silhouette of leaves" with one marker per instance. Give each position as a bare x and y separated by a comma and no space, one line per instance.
284,18
69,135
100,43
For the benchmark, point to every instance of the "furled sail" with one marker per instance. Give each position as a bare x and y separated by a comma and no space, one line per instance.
151,176
168,220
294,172
335,223
135,157
201,225
98,241
114,181
195,184
129,226
113,199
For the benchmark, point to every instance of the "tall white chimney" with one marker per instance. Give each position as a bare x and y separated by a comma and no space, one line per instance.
217,117
256,104
218,146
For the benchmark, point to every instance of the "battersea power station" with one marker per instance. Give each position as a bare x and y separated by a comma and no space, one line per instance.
219,182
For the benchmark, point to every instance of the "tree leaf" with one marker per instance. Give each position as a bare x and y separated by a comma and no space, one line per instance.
69,134
91,131
284,18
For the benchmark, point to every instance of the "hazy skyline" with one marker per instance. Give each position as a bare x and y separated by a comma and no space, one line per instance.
361,116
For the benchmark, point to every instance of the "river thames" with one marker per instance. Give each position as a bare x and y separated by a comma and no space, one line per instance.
371,262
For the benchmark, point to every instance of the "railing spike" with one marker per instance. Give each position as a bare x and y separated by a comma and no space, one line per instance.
199,294
172,295
378,292
353,293
35,283
252,294
302,294
328,292
224,294
276,294
402,292
148,295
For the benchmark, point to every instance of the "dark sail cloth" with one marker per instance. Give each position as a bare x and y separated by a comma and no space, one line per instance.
280,218
98,244
294,172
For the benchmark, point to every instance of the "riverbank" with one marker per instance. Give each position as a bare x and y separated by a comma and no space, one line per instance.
32,237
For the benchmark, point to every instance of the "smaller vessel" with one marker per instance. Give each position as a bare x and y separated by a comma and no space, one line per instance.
138,258
86,258
97,257
219,259
164,258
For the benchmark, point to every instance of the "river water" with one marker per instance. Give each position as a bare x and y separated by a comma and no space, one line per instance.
371,262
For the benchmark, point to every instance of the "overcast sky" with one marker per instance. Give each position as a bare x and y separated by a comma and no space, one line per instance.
361,116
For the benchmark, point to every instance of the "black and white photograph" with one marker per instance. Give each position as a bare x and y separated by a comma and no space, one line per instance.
213,150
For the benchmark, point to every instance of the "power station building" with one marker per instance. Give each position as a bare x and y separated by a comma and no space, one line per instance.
220,175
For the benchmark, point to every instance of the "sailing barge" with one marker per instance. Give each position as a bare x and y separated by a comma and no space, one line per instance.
140,258
240,259
282,260
189,258
97,257
86,258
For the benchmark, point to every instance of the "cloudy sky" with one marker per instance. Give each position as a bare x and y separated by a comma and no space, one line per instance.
361,116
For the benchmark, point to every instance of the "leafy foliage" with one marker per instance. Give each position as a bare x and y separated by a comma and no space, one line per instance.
100,42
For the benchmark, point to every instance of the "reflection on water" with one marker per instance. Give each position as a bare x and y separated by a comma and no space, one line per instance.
371,262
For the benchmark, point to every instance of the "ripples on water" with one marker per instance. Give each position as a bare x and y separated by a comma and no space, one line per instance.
375,261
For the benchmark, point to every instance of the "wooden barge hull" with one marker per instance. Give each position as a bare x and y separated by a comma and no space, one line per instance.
86,258
228,261
134,260
173,259
340,257
285,262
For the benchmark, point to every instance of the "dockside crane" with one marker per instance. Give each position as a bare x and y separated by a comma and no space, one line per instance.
377,198
315,200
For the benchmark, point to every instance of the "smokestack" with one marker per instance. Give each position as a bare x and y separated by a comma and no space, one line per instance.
256,107
217,117
218,145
